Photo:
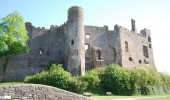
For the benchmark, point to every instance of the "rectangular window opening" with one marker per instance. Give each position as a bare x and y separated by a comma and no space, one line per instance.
145,51
86,46
87,36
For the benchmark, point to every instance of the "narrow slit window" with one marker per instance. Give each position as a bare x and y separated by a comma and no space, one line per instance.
149,39
72,42
126,46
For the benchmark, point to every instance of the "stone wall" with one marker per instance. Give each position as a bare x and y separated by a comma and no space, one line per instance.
132,50
37,92
107,40
45,45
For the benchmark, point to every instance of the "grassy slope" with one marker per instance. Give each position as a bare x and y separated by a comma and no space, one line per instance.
10,83
163,97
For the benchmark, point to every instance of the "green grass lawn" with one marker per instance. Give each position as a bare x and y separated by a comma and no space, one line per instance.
161,97
10,83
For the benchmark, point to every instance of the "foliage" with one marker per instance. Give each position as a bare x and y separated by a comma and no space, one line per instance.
77,85
48,66
56,77
145,80
13,36
165,81
39,78
92,78
115,79
89,82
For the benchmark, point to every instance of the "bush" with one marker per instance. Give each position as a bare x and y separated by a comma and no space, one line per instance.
77,85
56,77
92,78
165,81
40,78
145,81
116,79
91,81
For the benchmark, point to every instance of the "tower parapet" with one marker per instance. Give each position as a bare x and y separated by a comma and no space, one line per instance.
75,13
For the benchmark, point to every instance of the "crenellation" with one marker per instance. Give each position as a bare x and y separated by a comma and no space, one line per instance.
52,26
122,29
97,29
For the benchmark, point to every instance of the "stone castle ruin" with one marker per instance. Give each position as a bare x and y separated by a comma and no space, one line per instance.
81,47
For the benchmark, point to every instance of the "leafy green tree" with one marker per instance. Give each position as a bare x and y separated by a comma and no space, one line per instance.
13,36
116,79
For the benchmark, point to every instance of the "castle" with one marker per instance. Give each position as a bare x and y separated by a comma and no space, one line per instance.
81,47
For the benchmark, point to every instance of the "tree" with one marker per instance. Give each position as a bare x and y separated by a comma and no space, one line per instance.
116,80
13,37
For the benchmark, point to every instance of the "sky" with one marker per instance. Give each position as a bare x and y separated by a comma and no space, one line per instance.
151,14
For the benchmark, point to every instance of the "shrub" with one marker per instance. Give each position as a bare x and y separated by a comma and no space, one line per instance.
165,81
40,78
90,80
56,77
116,79
77,85
145,81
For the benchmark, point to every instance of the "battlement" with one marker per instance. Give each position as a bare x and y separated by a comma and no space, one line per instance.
39,28
121,28
143,33
75,13
75,7
53,27
97,28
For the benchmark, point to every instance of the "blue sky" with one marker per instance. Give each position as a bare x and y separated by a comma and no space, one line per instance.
151,14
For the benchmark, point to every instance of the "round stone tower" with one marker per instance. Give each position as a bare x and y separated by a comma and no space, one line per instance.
75,38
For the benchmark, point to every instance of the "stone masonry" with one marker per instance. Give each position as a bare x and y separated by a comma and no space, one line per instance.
81,47
37,92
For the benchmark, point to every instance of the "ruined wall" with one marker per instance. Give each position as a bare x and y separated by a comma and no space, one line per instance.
37,92
108,40
48,42
132,48
21,65
45,45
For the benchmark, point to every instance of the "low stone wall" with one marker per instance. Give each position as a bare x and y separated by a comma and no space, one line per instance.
37,92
